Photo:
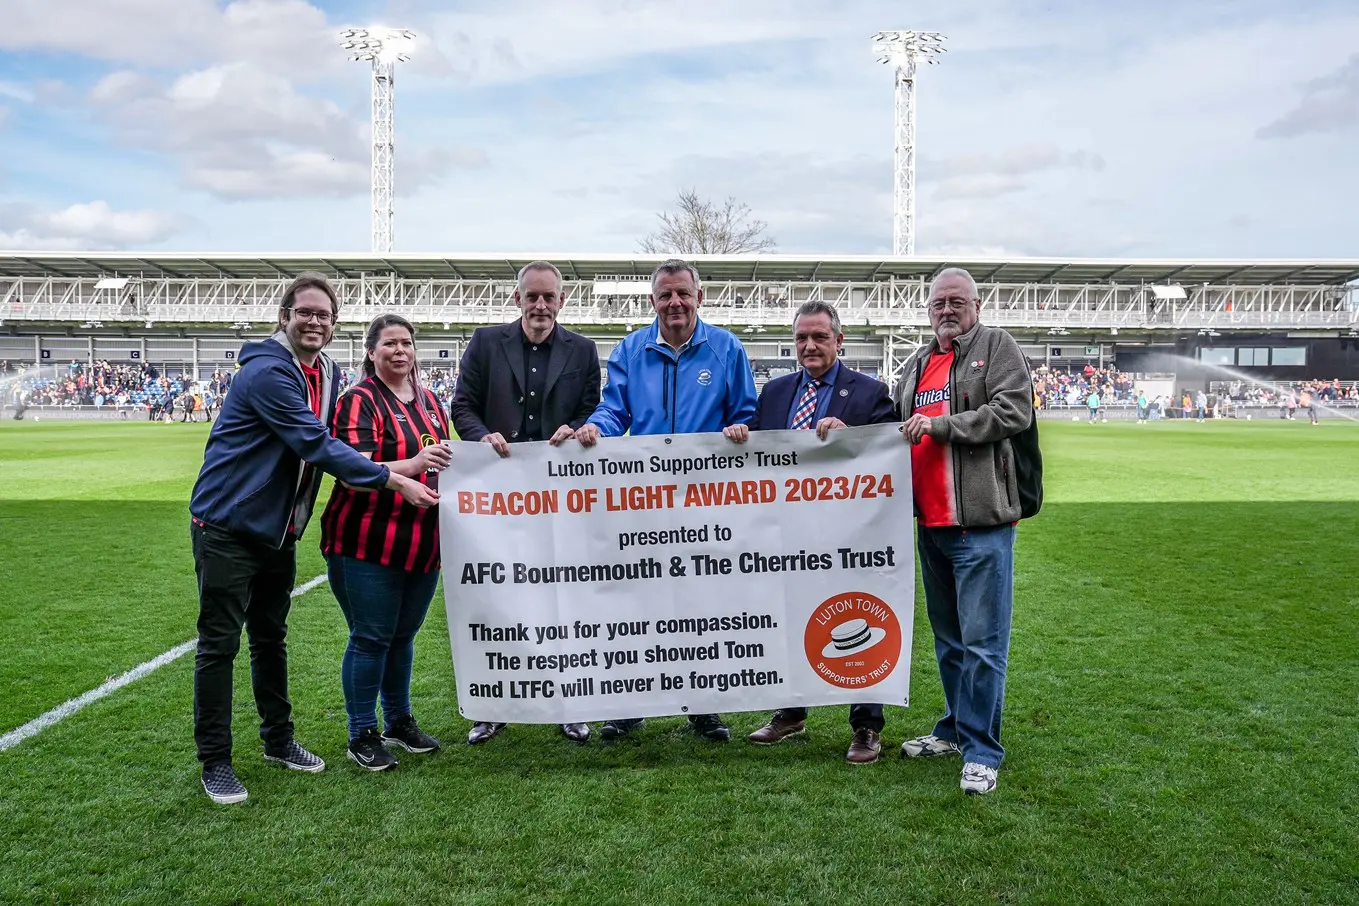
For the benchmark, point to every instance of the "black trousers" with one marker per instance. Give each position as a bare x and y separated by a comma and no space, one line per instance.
861,717
241,584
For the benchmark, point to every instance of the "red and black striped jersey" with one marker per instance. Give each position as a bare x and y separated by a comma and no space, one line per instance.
380,526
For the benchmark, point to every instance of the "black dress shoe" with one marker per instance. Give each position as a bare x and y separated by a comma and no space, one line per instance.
483,731
576,732
710,727
617,729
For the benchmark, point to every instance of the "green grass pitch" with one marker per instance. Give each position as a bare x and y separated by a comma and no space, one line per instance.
1182,718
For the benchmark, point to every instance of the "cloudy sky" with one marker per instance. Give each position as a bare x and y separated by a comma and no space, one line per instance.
1055,128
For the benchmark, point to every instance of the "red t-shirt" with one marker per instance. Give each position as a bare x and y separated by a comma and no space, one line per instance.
313,379
932,481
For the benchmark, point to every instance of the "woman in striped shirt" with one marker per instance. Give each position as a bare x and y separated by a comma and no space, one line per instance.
383,553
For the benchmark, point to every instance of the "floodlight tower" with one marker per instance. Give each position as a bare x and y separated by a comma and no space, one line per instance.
903,50
384,48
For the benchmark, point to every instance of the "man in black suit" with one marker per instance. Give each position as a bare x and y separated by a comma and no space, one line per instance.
823,394
527,381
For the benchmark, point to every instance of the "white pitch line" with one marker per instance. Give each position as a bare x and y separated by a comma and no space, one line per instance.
65,710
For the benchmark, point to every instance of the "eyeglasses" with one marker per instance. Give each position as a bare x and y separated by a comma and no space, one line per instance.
307,314
955,304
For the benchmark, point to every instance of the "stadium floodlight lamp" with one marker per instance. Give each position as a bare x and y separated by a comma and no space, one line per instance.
382,48
903,50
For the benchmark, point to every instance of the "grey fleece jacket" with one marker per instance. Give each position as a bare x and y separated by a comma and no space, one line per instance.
991,398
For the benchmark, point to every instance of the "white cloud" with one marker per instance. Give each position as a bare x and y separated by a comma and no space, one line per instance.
1328,104
241,132
523,40
16,92
286,35
994,175
92,225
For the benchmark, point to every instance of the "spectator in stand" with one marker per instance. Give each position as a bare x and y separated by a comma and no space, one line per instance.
1305,400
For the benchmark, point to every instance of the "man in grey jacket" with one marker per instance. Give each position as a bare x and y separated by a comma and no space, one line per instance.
962,398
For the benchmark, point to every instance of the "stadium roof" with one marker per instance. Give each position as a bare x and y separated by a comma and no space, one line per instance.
714,267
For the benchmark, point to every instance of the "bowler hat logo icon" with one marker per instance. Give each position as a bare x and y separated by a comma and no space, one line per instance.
853,640
705,377
852,637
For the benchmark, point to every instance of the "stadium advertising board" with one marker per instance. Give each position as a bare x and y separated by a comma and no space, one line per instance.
687,574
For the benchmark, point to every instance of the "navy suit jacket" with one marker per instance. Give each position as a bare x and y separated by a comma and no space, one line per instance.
489,398
856,399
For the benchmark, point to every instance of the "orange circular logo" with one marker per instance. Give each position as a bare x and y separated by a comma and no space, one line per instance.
853,640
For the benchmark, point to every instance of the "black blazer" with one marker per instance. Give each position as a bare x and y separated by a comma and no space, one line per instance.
489,398
856,399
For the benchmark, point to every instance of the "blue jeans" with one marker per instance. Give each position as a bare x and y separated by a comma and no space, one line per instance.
969,594
384,607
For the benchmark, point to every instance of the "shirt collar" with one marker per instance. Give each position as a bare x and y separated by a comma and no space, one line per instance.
523,337
699,335
827,380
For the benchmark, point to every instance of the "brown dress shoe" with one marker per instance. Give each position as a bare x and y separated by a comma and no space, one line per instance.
777,730
865,747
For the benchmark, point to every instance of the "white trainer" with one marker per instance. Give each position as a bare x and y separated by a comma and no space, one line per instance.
978,779
928,747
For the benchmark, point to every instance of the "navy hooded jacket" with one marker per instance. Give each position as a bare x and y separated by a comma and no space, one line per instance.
251,483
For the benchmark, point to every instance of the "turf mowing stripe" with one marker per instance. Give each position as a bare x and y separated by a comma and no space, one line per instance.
65,710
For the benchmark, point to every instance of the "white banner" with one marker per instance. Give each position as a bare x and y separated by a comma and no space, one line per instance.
679,575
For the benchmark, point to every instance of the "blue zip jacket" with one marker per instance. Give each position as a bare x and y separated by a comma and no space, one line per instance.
654,390
252,483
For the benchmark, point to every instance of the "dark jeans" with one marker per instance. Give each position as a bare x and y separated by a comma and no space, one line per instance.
861,717
385,607
241,583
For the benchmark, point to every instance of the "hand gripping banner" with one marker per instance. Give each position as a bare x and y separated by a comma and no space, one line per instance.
686,574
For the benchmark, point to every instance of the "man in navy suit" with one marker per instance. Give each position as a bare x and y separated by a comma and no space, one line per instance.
823,395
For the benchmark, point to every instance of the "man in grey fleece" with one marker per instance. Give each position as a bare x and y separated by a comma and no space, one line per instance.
962,398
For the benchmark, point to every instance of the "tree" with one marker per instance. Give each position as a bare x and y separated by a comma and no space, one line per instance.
700,227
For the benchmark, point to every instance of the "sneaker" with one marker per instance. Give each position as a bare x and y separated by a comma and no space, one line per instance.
928,747
865,748
296,758
710,727
366,751
617,729
777,730
978,779
406,734
221,785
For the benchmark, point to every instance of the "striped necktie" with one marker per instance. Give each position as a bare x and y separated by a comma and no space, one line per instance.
806,406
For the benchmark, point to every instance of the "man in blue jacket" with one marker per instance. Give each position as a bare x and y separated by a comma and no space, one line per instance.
675,376
261,471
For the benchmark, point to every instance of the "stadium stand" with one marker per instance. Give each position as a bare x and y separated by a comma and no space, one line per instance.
185,316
